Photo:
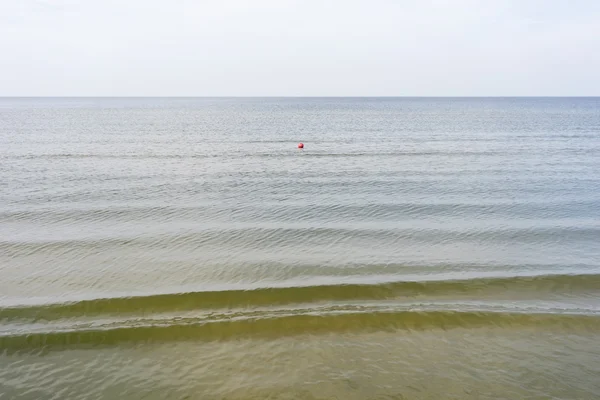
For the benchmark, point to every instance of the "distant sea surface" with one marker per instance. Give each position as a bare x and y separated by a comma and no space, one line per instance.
185,248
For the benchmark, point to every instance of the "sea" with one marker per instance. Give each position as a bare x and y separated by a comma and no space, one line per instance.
186,248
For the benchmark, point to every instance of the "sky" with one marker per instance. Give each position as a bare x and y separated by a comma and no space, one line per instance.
299,48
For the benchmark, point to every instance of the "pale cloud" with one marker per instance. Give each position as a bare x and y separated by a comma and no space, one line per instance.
295,48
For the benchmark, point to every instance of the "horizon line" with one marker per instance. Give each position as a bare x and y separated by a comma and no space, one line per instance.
288,97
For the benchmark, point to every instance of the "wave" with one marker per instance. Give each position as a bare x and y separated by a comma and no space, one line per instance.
479,288
273,236
276,326
337,211
275,153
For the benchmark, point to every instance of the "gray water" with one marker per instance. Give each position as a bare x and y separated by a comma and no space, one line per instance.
416,248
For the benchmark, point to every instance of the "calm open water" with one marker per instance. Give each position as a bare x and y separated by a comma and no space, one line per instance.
186,249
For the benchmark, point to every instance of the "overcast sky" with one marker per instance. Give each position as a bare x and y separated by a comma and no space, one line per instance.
299,48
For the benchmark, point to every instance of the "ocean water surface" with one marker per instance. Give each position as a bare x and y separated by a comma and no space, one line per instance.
185,248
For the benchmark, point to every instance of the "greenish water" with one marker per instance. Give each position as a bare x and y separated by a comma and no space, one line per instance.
186,249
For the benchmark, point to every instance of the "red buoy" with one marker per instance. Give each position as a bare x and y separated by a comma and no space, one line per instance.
300,145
